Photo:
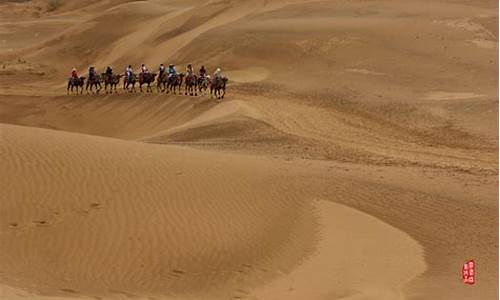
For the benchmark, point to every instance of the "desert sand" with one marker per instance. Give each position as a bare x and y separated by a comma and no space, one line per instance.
355,155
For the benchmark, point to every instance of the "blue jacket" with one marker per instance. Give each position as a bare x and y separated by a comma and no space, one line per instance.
171,70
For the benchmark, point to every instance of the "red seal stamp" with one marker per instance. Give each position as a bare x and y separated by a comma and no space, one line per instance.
469,272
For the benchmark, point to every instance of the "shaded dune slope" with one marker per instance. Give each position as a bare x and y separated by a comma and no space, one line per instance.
139,218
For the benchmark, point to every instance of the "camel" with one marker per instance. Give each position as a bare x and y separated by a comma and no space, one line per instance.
96,81
218,87
190,86
161,82
203,84
175,81
112,81
130,81
76,82
147,78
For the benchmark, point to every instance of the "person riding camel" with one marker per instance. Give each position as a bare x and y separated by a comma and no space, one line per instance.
189,70
109,73
218,74
161,70
92,73
144,71
203,72
129,72
171,70
74,76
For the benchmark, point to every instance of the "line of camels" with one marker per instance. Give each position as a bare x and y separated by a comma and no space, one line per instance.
193,84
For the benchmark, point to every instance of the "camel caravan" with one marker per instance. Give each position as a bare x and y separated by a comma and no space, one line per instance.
167,81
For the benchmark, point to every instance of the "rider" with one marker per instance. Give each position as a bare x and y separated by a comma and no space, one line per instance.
171,70
203,72
162,70
92,73
144,70
189,70
129,72
74,74
217,74
109,72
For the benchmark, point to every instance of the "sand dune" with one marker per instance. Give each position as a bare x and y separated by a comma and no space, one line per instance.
175,222
355,141
174,215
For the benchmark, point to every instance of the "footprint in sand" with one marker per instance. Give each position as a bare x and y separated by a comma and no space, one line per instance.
242,291
126,294
40,223
177,273
244,268
93,205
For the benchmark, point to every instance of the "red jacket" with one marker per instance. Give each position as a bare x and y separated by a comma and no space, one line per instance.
74,74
